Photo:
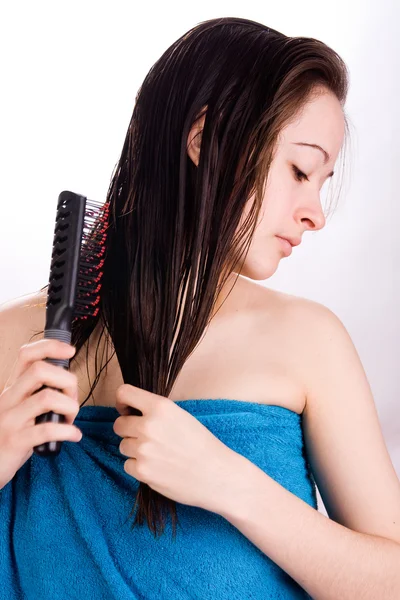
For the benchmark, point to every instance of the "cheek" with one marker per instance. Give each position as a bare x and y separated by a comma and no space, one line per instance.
246,210
262,218
277,206
266,217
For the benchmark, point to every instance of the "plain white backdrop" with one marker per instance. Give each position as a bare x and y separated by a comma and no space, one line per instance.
70,73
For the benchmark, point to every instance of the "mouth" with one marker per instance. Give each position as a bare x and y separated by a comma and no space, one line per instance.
286,245
292,241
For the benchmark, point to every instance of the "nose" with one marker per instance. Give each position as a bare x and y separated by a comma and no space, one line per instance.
313,215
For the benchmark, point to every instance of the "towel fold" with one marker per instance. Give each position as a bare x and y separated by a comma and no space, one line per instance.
65,531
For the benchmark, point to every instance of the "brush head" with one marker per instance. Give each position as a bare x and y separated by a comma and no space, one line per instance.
91,261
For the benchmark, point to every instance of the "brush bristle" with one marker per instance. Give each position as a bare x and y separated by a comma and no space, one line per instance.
91,261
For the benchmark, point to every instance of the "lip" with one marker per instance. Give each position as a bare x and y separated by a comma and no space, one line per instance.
287,246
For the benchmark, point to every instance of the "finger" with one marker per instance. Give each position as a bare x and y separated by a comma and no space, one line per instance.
38,374
29,353
50,432
128,426
45,401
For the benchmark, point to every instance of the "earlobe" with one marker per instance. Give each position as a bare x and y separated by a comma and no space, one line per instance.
194,144
194,138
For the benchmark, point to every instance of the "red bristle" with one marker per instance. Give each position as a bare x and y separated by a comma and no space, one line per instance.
91,262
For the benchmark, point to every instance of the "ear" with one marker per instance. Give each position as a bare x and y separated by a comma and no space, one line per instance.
194,138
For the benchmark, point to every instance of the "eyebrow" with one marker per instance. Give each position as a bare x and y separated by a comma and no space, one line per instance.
324,152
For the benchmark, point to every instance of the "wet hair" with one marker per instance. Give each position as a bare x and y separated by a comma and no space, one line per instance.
172,240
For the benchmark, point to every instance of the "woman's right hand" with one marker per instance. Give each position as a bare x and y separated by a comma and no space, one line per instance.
20,405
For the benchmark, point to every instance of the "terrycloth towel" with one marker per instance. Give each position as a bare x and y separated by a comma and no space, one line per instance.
65,532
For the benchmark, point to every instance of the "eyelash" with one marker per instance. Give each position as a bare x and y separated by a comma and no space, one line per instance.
300,176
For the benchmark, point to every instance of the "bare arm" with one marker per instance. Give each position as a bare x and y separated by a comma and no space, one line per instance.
355,553
20,318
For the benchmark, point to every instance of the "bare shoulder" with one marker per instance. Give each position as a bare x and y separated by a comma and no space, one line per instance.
308,312
324,345
312,334
313,324
20,320
301,316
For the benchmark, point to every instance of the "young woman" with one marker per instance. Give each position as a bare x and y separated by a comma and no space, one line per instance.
247,396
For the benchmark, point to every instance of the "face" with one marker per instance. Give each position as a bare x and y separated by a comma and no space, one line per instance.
291,203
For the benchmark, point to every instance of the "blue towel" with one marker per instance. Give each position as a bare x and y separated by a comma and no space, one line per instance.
65,532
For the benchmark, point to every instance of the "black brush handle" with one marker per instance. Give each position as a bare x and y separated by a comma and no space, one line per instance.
53,447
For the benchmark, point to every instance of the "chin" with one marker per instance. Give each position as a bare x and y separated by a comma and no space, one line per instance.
259,271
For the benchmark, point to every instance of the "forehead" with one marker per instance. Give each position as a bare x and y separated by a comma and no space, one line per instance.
321,122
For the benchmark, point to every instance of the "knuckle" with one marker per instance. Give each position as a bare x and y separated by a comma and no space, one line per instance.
45,397
143,450
121,391
22,351
38,368
151,426
145,428
140,469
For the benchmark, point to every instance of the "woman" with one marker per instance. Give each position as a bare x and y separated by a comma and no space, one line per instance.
235,130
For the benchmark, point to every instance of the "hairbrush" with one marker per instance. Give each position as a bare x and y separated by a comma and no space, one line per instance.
74,281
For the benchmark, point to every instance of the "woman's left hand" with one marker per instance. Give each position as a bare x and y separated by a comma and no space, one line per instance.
172,451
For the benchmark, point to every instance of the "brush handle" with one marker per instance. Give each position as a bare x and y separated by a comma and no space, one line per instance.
53,448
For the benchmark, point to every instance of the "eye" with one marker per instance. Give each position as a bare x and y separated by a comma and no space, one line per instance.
300,176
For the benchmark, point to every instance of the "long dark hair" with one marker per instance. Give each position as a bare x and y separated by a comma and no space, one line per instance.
172,239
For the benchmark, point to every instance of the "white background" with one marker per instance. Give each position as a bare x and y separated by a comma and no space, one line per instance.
70,73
